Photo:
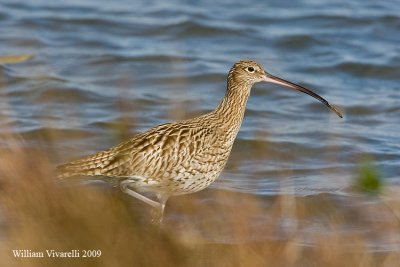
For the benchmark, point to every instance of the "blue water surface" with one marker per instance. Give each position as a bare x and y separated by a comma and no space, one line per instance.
101,64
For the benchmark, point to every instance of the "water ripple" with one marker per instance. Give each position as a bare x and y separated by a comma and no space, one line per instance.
162,57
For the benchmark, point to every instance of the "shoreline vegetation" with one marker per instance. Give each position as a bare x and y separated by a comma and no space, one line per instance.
39,213
13,59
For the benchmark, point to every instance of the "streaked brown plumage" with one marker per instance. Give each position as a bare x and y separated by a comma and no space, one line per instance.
180,157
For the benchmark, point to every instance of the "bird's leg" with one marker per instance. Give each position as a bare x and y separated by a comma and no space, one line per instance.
159,215
125,189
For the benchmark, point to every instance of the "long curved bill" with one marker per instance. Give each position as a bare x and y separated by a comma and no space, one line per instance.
273,79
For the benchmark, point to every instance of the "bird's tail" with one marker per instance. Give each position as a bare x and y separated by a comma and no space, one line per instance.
93,165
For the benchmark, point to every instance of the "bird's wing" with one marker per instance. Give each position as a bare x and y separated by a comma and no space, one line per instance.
156,153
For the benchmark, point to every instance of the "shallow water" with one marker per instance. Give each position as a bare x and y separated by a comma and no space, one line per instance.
102,69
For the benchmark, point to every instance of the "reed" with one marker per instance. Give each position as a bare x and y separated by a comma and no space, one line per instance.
39,213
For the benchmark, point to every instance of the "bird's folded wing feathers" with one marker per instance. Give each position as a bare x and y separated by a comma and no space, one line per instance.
149,154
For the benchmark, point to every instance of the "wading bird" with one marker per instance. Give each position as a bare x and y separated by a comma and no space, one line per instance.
181,157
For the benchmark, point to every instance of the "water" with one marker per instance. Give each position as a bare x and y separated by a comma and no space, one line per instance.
100,66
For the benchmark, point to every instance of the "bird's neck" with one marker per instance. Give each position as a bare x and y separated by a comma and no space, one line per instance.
231,109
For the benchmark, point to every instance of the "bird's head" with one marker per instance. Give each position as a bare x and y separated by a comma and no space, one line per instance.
246,71
249,72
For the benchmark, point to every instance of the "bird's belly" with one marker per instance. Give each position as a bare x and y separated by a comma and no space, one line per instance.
193,182
185,174
183,180
199,174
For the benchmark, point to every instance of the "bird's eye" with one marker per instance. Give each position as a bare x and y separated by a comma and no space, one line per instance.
250,69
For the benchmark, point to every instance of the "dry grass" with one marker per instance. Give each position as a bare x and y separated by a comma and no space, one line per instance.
39,213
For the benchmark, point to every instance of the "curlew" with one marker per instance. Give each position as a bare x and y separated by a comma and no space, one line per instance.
181,157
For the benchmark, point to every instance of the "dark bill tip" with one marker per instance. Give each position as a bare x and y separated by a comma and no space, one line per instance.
273,79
